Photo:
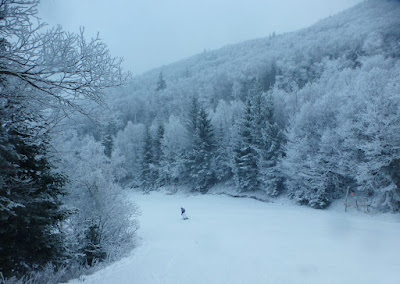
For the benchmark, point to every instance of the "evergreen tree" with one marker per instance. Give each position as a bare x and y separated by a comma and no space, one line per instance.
272,151
148,173
191,127
191,121
199,157
269,77
202,173
108,144
258,112
159,155
30,209
260,144
108,140
223,167
161,84
246,157
158,152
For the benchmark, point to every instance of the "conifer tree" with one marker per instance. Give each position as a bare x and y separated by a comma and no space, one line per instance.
202,173
191,126
30,209
107,139
192,118
223,167
246,156
271,151
161,84
199,157
159,156
258,112
158,152
148,173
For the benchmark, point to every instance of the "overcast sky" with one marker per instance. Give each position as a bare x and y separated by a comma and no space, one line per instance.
151,33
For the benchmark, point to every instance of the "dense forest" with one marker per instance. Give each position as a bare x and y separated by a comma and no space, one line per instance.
307,115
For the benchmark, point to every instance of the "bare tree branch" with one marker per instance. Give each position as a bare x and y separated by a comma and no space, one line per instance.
58,64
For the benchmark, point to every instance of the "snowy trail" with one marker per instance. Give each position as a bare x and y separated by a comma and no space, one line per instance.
230,240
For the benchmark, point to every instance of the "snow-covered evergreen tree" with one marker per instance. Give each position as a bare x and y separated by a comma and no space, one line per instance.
198,159
246,157
158,154
30,205
148,173
161,84
201,159
271,151
108,138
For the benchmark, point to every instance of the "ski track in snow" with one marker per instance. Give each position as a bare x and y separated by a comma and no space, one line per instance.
231,240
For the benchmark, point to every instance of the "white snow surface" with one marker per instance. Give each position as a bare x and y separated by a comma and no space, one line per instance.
241,240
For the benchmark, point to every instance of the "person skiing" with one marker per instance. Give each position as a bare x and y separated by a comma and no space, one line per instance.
183,213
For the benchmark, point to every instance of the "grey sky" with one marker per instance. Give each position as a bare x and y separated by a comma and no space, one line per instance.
151,33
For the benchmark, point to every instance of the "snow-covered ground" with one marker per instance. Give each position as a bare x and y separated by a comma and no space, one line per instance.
238,240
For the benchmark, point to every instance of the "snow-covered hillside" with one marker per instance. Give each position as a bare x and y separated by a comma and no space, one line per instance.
306,114
230,240
369,28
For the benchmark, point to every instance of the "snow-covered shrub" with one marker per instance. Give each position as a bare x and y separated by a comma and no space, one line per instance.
102,225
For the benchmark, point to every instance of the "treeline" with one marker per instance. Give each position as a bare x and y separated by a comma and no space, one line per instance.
311,143
202,147
314,116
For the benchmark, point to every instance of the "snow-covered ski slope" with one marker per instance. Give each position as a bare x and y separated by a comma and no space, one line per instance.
232,240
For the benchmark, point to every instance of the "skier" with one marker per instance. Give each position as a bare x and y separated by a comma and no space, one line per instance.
183,214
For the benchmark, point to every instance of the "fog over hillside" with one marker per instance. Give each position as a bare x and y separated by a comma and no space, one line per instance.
152,33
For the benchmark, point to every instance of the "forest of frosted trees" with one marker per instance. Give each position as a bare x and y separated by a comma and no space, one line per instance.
307,115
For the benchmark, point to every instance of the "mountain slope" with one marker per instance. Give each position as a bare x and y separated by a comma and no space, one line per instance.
229,240
369,28
309,114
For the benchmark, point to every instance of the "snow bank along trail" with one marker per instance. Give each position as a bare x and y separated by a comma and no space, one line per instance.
230,240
